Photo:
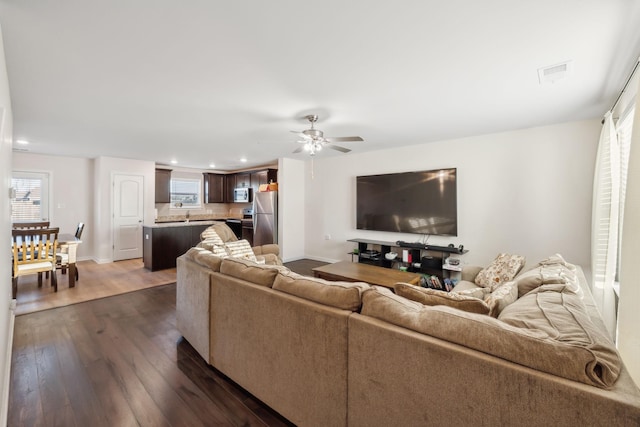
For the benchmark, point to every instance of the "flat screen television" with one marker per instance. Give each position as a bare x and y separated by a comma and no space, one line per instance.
423,202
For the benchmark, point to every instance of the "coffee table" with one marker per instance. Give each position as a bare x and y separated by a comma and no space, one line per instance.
359,272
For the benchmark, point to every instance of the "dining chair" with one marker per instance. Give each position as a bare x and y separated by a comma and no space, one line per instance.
33,252
62,257
30,225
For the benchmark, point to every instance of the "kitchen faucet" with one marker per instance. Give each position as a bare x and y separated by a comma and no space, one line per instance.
187,215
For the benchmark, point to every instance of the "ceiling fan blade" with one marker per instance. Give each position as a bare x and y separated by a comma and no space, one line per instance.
338,148
298,150
344,139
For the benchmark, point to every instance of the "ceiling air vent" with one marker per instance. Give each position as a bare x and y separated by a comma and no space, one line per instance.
553,73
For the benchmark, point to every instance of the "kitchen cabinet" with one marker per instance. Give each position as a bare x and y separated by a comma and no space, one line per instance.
243,180
261,177
214,188
163,185
162,245
229,185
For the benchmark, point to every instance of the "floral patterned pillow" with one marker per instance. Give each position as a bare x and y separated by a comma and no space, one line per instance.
501,270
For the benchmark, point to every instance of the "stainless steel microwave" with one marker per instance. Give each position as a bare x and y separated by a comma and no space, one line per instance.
242,195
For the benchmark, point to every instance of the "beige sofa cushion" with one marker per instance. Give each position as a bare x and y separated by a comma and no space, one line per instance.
240,249
544,275
211,237
559,312
594,363
259,274
344,295
222,230
501,270
476,292
428,296
204,257
213,247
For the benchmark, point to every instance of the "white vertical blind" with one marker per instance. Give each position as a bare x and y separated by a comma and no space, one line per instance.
30,198
604,235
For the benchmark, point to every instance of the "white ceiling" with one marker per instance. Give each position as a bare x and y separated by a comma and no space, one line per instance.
203,81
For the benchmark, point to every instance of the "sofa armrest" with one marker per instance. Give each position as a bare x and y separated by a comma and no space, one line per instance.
266,249
269,252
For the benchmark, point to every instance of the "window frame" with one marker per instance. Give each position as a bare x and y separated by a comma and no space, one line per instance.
181,205
45,190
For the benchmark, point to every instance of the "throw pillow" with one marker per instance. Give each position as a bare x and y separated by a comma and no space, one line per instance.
215,247
240,249
210,235
501,270
501,297
434,297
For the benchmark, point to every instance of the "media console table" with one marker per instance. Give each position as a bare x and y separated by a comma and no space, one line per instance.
422,259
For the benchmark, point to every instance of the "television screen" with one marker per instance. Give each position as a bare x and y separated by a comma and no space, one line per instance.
423,202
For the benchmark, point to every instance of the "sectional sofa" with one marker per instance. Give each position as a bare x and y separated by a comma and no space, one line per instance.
336,354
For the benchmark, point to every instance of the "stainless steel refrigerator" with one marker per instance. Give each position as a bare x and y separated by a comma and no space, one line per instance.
265,218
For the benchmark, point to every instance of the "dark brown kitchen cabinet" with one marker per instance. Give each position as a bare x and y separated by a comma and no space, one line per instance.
214,188
163,185
243,180
261,177
229,185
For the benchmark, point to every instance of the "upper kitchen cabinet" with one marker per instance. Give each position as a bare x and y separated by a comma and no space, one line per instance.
163,185
261,177
243,180
214,188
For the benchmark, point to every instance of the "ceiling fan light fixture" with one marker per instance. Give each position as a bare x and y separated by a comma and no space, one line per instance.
314,140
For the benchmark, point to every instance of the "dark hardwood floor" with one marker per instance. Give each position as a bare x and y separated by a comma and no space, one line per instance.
119,361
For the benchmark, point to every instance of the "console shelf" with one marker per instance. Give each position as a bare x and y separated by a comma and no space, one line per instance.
421,260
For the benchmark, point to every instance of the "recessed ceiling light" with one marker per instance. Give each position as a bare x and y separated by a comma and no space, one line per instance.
174,162
22,141
243,160
211,165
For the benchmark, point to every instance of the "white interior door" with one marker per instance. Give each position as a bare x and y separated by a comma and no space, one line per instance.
128,206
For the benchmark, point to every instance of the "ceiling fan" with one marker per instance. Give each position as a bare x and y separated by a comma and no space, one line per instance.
314,139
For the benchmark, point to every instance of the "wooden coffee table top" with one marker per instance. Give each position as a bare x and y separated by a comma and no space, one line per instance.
358,272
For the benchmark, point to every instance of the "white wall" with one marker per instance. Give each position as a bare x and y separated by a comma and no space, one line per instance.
6,302
71,193
291,209
526,192
104,168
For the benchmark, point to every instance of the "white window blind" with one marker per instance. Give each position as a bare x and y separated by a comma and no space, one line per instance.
30,197
185,193
624,128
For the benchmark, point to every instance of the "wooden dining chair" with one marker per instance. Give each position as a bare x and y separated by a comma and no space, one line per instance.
62,257
30,225
34,252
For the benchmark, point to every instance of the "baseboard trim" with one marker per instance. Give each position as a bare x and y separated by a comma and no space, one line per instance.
4,409
321,259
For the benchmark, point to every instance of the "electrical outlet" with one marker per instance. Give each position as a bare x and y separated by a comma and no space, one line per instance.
327,237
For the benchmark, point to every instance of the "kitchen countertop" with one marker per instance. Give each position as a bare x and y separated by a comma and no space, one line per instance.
184,223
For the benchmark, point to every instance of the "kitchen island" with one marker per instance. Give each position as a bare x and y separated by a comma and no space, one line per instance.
165,241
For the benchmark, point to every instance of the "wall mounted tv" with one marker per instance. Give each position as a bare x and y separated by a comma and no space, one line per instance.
423,202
